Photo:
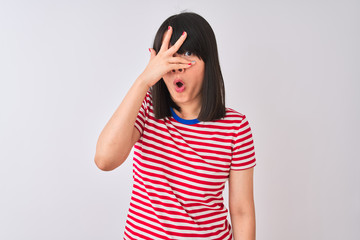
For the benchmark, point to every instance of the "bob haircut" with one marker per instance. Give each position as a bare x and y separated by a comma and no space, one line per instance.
202,43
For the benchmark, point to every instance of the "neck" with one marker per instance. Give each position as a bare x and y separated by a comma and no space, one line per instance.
188,112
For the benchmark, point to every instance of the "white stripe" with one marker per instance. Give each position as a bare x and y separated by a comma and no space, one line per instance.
191,183
194,136
243,167
174,222
174,147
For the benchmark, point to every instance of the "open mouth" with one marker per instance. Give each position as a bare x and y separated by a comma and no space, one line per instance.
179,85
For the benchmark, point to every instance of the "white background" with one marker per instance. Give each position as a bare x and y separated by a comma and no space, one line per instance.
292,67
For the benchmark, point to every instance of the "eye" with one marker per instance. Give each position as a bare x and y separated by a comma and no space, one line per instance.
188,54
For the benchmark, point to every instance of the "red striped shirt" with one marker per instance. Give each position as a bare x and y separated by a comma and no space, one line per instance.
180,168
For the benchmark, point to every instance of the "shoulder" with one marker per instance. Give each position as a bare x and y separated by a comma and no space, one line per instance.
237,119
148,99
232,114
149,95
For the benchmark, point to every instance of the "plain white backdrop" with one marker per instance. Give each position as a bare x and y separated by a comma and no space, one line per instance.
292,67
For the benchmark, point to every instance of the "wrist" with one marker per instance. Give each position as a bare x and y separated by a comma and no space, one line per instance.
146,80
142,82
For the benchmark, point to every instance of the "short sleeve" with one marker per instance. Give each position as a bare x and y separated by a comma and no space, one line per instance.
143,113
243,154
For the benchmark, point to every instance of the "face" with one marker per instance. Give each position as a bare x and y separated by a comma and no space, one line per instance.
192,78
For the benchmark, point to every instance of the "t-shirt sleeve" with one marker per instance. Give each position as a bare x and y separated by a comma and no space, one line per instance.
243,154
143,114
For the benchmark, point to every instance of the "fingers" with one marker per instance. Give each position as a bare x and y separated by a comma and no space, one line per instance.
181,65
179,60
178,43
166,40
152,53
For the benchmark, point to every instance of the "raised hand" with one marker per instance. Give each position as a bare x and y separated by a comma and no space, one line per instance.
164,61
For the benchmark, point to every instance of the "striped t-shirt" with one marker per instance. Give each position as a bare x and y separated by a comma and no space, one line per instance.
180,168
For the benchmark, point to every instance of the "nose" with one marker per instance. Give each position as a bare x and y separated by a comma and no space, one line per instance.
178,70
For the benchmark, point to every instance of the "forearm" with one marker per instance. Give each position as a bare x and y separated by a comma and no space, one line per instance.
243,225
114,140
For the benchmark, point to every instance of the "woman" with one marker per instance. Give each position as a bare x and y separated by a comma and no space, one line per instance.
187,143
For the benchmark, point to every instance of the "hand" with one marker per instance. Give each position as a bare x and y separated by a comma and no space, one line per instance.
164,61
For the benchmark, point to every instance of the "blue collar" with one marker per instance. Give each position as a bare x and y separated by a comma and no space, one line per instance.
184,121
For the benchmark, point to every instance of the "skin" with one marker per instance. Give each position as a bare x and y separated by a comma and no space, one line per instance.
190,99
169,65
165,60
241,204
192,75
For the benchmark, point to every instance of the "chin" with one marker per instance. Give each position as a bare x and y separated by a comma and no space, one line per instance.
179,98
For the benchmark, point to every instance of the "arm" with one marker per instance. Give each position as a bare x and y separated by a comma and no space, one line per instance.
119,134
114,144
241,204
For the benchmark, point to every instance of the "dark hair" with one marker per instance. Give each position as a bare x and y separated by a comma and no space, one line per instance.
201,42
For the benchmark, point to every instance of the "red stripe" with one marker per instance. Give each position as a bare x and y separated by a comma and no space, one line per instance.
171,188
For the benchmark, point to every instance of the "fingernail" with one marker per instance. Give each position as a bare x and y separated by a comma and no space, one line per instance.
189,64
149,50
183,33
169,28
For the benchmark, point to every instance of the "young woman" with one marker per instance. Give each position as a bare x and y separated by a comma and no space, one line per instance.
187,143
